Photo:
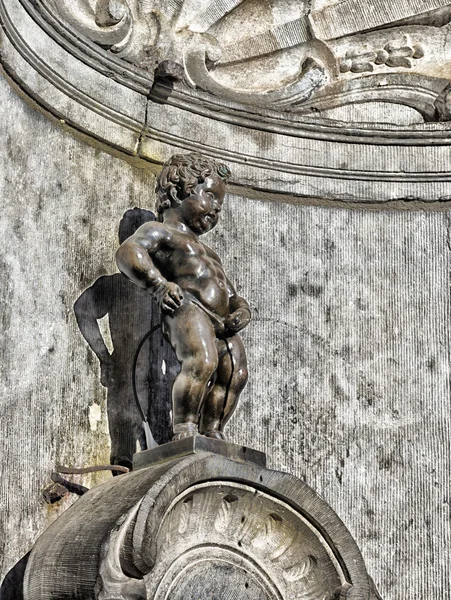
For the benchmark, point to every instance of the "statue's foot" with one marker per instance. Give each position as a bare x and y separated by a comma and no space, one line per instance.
184,430
215,434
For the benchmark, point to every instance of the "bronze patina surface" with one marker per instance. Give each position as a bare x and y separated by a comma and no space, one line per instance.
201,310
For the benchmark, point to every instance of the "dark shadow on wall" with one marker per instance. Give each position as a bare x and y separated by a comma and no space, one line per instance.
131,313
12,586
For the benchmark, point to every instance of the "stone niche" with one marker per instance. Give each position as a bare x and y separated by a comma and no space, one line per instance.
335,120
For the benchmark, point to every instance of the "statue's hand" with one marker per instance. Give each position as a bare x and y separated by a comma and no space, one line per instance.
237,321
172,299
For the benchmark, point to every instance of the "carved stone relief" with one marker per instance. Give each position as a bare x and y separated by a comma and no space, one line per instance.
264,536
320,99
175,530
223,527
278,54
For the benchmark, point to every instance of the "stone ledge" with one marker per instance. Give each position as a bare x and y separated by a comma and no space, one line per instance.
194,445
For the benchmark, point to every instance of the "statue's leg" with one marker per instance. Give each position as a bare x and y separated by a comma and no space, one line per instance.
192,336
223,397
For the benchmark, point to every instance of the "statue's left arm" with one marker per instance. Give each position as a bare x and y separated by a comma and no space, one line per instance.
240,312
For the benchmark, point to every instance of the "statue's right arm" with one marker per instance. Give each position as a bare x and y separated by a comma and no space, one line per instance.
134,257
135,260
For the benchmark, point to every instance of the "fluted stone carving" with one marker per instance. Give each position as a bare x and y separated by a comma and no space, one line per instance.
196,527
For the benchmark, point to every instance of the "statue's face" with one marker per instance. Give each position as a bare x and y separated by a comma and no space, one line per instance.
200,211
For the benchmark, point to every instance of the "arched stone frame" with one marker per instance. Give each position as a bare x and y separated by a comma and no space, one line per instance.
273,146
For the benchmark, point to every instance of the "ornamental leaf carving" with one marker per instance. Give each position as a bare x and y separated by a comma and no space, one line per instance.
281,54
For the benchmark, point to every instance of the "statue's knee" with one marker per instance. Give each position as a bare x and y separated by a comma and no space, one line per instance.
241,376
201,369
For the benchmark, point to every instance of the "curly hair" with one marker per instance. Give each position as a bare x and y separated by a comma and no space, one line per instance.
180,175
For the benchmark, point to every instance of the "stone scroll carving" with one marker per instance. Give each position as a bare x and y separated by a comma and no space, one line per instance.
267,550
199,528
109,23
281,55
314,99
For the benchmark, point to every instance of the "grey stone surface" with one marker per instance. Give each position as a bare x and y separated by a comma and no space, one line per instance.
351,314
145,534
306,100
59,233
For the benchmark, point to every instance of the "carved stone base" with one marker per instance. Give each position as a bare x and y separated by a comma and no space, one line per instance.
196,526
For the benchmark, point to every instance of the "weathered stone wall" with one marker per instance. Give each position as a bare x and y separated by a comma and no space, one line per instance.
348,350
62,202
349,362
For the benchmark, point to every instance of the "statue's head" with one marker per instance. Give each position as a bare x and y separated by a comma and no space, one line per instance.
182,174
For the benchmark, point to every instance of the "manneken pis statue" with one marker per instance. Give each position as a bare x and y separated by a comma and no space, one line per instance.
201,311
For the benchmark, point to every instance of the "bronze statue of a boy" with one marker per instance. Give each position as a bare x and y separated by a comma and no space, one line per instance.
201,311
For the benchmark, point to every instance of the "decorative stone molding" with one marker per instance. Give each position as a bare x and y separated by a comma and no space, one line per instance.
201,526
307,47
324,101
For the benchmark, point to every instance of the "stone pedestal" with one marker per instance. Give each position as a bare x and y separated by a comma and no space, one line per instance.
198,519
194,445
